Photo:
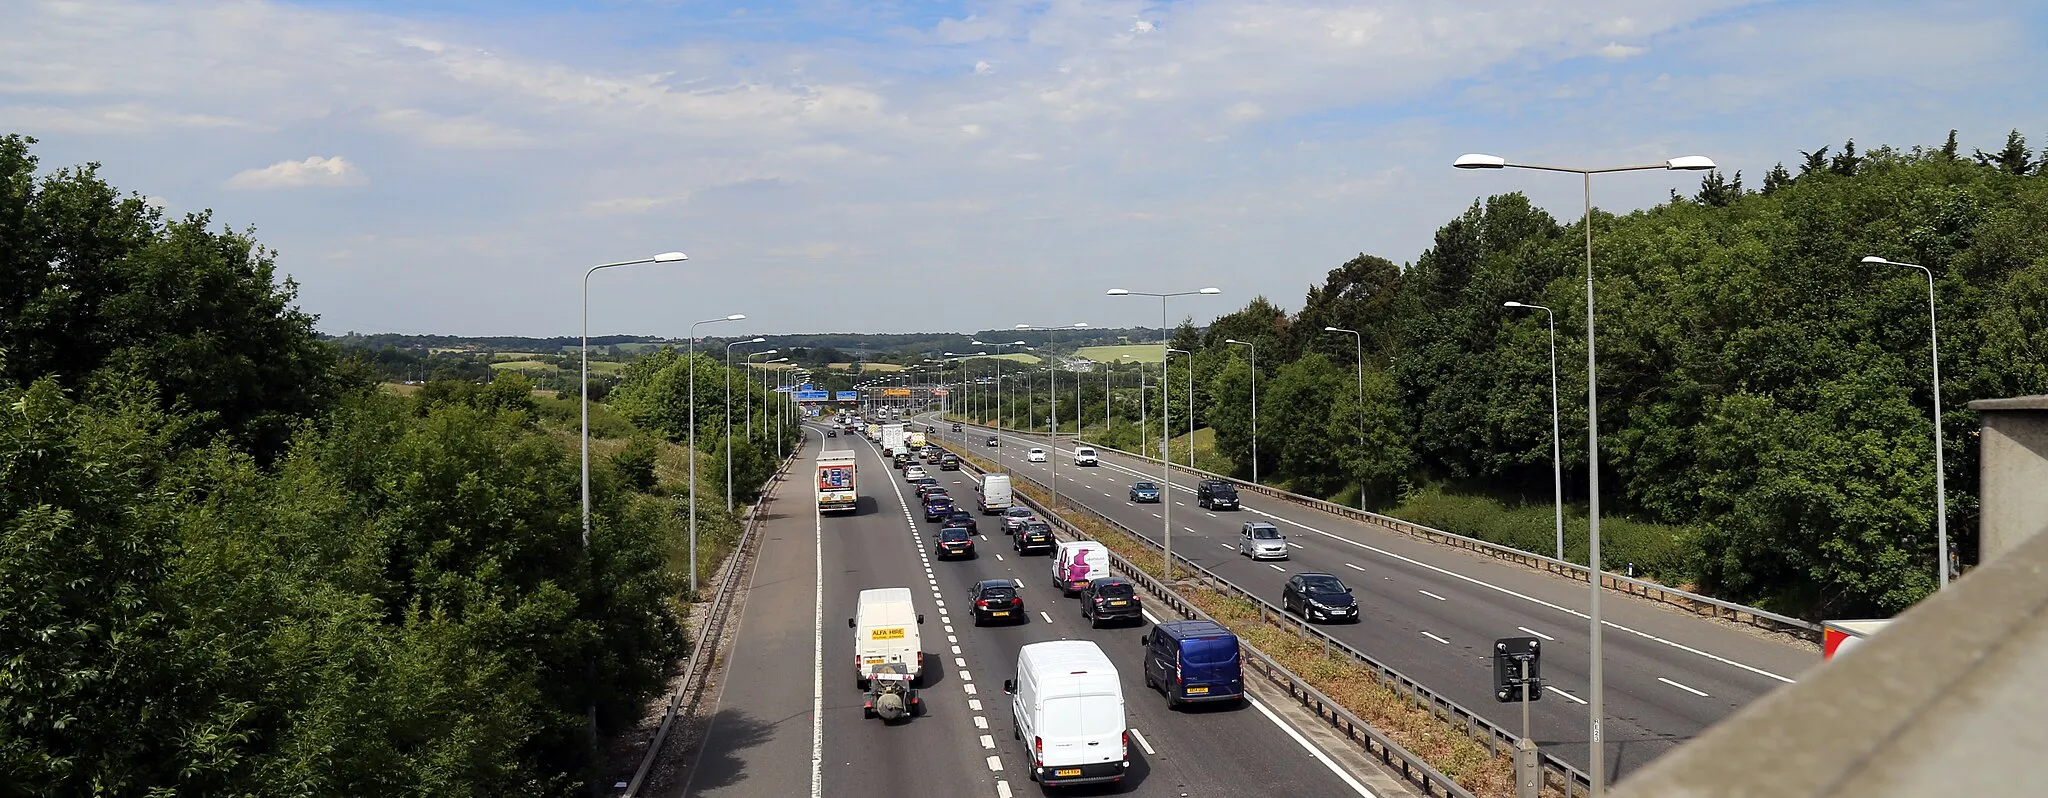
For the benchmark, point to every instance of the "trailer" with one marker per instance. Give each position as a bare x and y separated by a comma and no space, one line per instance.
837,487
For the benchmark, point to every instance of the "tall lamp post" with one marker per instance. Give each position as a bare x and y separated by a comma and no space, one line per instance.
1687,163
999,396
1358,343
1052,377
1191,405
750,390
1255,403
1940,476
728,414
665,257
1165,430
1556,447
692,365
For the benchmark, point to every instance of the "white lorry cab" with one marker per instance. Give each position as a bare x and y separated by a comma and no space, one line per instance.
885,630
1077,562
1069,710
995,494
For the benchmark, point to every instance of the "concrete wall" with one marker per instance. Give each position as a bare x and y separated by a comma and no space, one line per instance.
2014,472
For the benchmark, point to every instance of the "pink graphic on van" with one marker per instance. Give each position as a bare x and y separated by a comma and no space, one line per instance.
1078,568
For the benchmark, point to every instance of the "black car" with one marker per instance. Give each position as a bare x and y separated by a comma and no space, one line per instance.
955,542
1110,598
949,462
992,440
956,426
1319,597
937,507
1215,494
934,455
904,459
1034,535
963,518
925,486
997,600
831,433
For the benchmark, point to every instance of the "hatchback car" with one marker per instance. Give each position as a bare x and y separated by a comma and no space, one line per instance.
992,443
831,433
956,426
1215,494
903,459
954,542
996,600
1319,597
949,462
1144,493
1034,535
937,507
963,518
1015,517
1110,598
925,486
912,474
1261,541
1035,455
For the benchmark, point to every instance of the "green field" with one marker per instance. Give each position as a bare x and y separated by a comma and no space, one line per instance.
537,367
865,366
501,356
1014,357
1143,353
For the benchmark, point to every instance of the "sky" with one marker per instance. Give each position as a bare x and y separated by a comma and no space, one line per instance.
453,166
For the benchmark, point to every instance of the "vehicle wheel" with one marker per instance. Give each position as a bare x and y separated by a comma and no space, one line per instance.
1150,683
860,683
867,712
977,619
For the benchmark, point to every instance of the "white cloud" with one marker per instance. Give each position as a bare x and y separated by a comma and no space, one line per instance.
1143,26
1617,50
983,68
1244,111
466,132
316,171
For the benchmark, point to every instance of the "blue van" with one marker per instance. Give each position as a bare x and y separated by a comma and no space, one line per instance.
1193,661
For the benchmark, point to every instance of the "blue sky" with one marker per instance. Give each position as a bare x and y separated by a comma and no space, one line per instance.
451,166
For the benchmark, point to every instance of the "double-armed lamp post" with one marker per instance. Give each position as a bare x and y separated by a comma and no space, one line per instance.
1165,428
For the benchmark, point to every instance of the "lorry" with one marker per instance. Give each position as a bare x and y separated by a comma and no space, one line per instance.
836,486
892,439
1840,636
916,441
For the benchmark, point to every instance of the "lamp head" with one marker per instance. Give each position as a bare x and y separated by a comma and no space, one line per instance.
769,352
1512,304
1232,341
1873,259
1080,324
1473,160
670,257
1690,163
736,317
1332,329
1023,327
1119,292
1210,291
758,340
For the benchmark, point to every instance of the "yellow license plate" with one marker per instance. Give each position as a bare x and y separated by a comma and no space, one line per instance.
1197,690
1000,612
1118,603
875,660
1064,772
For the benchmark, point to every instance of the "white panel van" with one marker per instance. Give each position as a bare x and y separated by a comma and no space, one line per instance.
1069,713
885,630
1076,562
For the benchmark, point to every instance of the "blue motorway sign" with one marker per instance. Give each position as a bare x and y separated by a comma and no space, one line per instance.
813,396
849,396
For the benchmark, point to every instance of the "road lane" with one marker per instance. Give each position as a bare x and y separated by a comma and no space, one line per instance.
1483,599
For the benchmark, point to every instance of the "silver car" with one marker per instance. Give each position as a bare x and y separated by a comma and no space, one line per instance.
1014,518
1261,541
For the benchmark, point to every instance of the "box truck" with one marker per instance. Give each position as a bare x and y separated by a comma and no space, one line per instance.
836,485
892,439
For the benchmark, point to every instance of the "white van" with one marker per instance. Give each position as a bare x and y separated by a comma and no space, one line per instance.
1076,562
885,630
1069,711
1084,456
995,494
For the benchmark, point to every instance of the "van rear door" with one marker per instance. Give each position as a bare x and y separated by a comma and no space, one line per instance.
1209,666
1081,730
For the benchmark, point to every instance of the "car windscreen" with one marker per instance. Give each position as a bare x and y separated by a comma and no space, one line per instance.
1144,486
1032,529
1223,489
1265,533
1208,650
1325,584
1117,590
954,533
1019,512
998,593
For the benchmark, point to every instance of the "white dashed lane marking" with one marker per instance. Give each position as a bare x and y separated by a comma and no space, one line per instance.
1438,639
1536,633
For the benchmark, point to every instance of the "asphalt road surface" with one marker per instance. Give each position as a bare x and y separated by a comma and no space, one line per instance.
789,722
1433,612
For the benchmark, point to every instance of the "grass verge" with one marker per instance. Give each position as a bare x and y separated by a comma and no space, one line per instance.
1355,687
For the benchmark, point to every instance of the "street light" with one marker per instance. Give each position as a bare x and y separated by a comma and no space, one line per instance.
665,257
1688,163
1255,403
691,364
765,374
1165,430
1940,478
999,396
1191,405
1556,443
1358,342
1053,389
750,389
728,415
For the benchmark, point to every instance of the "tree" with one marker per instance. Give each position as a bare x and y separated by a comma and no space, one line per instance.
1816,161
1847,161
1949,148
1358,295
1776,179
1718,191
2014,159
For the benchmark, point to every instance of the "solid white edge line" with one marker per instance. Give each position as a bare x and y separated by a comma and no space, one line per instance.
1582,702
818,659
1682,687
1312,749
1142,742
1536,633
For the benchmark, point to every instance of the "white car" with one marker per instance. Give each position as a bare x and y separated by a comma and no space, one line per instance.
913,473
1036,456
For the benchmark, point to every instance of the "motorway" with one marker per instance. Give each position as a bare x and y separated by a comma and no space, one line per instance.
1432,612
789,697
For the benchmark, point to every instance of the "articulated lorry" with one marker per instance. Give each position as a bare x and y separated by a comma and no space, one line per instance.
892,439
836,485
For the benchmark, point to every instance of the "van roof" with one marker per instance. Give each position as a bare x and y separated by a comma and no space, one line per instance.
1082,544
885,606
1182,630
1074,663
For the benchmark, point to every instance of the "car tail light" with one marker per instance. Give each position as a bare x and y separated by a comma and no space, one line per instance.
982,603
1037,750
1123,744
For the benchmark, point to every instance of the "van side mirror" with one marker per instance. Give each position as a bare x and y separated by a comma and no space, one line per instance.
920,619
849,623
1144,640
1010,686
